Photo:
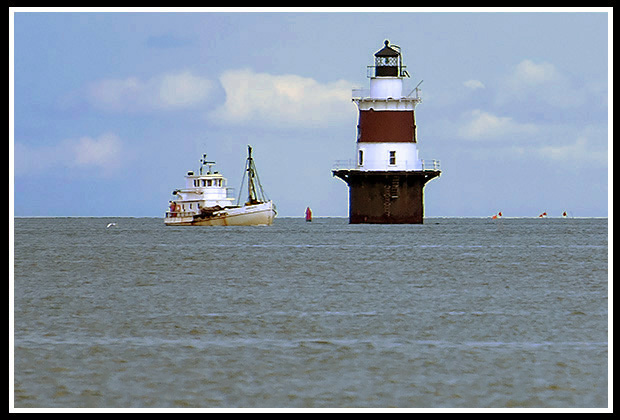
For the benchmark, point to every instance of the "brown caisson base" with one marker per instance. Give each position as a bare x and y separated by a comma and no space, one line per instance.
387,197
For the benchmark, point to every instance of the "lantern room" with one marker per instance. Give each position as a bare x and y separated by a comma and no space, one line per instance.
387,61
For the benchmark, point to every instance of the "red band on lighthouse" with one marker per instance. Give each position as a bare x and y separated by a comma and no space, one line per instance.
386,126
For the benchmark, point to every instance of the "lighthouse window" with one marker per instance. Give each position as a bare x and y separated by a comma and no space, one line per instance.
386,61
208,183
392,157
360,158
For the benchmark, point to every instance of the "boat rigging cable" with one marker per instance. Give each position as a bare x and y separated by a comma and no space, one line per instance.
256,194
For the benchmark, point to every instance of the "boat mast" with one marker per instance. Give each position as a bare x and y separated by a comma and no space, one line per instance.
252,199
256,194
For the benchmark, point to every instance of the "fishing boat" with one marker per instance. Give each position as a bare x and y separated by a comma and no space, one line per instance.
206,199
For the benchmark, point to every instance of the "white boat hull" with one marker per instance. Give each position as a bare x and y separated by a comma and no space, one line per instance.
249,215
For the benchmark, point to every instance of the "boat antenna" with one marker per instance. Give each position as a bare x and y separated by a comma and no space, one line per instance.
204,162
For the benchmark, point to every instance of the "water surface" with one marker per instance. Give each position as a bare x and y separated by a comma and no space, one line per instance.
452,313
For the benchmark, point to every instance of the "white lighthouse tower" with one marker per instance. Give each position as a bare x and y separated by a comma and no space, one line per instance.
387,181
386,133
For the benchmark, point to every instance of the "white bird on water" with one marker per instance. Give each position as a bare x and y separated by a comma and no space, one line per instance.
110,224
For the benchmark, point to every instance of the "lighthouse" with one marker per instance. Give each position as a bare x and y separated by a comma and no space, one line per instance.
386,180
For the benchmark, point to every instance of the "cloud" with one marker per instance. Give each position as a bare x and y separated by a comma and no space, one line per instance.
529,73
182,89
168,91
539,83
579,152
116,95
482,125
282,100
473,84
101,154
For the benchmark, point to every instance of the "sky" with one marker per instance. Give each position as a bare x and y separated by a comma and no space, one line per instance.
110,109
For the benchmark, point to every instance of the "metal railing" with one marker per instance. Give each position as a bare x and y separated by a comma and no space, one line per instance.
384,165
431,165
180,214
363,93
360,93
402,71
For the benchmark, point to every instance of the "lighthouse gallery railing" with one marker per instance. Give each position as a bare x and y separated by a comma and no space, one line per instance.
384,165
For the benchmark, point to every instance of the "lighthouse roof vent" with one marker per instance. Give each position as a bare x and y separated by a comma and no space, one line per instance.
387,51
